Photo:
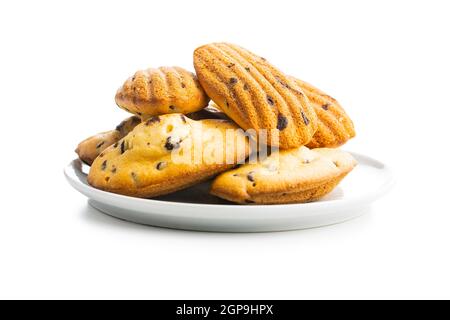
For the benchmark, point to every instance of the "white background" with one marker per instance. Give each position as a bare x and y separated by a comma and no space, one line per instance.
60,65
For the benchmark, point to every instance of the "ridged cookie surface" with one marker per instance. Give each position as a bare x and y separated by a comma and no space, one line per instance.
255,94
90,148
334,125
288,176
168,153
160,91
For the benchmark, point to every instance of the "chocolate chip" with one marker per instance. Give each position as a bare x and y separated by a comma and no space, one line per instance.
139,113
231,65
134,176
270,100
245,87
233,81
122,147
172,107
100,144
134,78
116,145
250,176
247,68
305,119
101,155
282,122
227,103
235,175
254,184
183,118
114,169
325,106
170,145
161,165
183,85
284,84
106,179
104,164
152,120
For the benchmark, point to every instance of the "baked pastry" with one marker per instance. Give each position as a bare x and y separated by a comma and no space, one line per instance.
90,148
168,153
255,94
160,91
288,176
334,125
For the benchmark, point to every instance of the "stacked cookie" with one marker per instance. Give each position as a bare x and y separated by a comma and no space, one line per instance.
161,148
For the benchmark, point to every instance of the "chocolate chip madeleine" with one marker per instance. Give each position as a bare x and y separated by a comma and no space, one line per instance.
160,91
167,153
288,176
90,148
255,94
334,125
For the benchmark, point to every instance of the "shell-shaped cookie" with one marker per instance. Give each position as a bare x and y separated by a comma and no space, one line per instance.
288,176
334,125
160,91
90,148
167,153
255,94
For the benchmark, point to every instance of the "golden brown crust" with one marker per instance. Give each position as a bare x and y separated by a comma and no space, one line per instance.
255,94
158,156
334,125
296,175
90,148
161,91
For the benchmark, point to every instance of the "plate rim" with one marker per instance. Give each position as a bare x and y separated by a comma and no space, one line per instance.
74,181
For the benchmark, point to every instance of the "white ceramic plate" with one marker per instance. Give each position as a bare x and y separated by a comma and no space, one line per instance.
195,209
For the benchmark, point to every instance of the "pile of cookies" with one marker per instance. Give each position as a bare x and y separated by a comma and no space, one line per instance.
172,113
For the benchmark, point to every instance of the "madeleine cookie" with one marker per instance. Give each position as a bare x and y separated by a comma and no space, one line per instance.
160,91
255,94
288,176
334,125
168,153
90,148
